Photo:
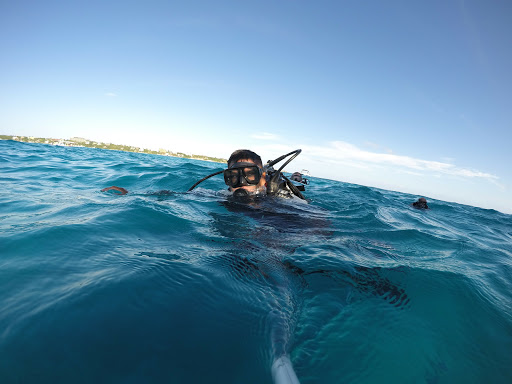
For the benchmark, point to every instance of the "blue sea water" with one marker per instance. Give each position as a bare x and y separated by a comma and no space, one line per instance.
356,287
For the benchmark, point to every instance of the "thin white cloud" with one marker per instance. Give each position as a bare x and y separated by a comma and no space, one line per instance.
377,147
265,136
110,94
345,153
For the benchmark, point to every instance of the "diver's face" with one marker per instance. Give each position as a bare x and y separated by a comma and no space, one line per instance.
255,188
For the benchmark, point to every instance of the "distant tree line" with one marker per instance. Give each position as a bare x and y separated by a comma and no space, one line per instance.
81,142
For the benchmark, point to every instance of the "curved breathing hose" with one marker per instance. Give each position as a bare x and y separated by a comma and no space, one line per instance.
281,158
274,180
203,179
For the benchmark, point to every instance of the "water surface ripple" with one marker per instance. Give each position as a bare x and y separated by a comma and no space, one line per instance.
176,287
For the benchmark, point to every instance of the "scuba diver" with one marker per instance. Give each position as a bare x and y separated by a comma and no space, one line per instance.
246,176
298,177
420,204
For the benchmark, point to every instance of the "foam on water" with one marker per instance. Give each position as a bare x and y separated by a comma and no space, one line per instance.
356,287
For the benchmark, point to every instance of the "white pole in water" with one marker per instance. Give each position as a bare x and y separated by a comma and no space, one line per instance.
282,371
281,323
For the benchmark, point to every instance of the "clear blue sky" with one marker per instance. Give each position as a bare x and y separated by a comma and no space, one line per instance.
408,96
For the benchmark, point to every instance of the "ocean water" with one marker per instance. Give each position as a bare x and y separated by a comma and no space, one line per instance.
356,286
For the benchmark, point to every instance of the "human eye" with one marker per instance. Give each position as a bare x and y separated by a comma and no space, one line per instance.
231,176
251,173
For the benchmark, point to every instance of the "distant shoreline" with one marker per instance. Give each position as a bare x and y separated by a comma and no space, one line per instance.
81,142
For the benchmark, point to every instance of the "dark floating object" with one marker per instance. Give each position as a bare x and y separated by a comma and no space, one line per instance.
421,203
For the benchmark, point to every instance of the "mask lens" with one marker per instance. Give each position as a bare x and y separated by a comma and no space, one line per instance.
252,174
244,174
231,177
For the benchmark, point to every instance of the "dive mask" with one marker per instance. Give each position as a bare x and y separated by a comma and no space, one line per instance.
242,174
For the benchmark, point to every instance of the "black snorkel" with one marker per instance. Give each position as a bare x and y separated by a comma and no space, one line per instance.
273,177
